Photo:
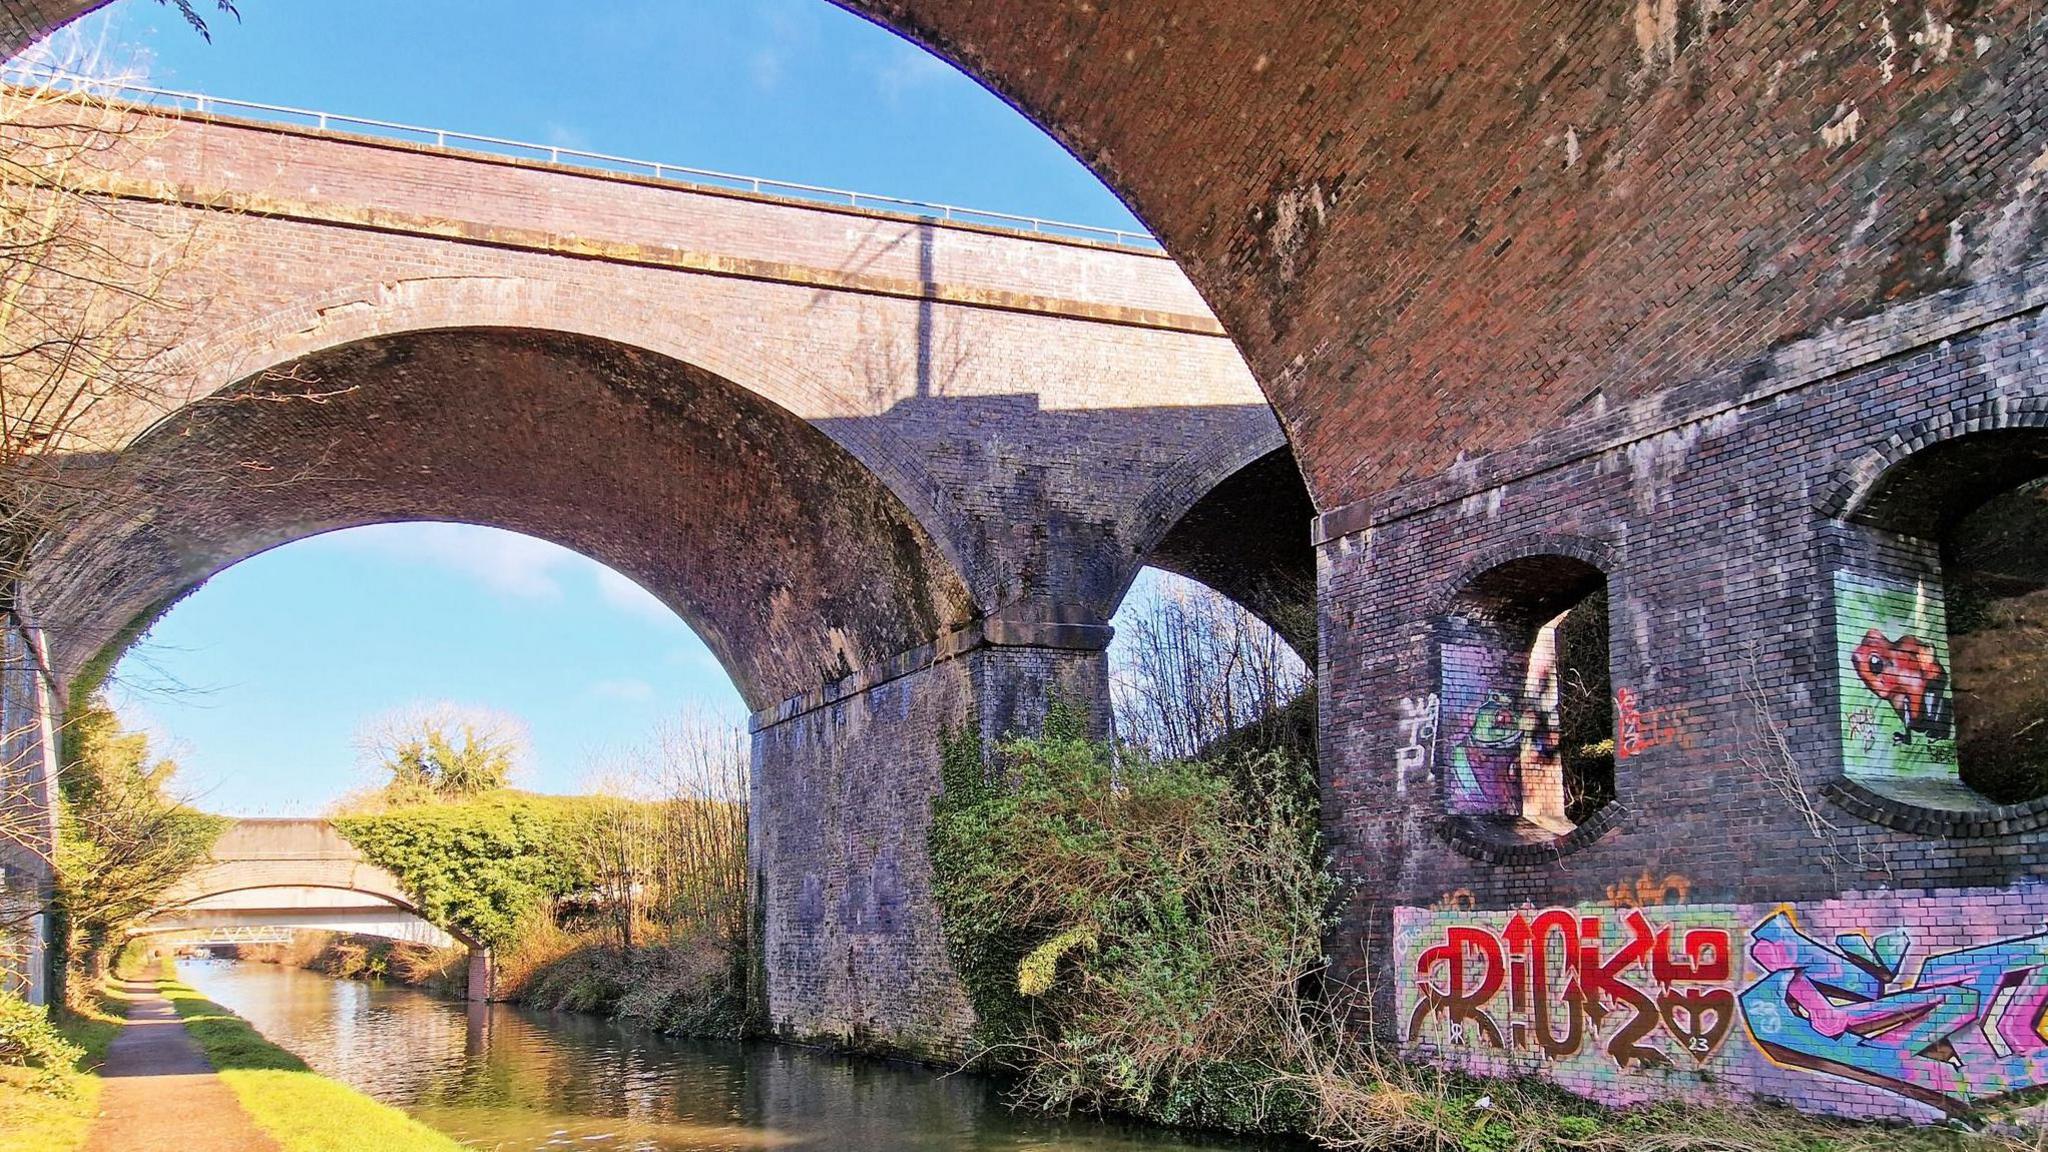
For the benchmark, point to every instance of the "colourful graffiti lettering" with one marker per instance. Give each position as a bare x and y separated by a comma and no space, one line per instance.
1563,980
1968,1031
1906,674
1638,729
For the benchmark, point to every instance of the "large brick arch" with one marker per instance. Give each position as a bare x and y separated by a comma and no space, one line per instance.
793,561
1437,229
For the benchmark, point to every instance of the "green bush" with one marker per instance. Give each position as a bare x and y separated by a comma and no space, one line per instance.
1134,934
29,1040
480,867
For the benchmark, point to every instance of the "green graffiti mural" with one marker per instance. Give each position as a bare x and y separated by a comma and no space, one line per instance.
1898,717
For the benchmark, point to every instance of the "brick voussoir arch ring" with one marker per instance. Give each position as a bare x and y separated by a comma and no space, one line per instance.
1588,550
1463,838
1855,482
392,308
1150,520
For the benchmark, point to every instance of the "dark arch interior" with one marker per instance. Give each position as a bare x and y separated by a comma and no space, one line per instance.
1527,728
1248,539
1947,706
793,562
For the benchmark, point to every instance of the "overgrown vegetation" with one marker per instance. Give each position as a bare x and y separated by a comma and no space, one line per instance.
1995,563
1144,937
300,1109
1129,927
49,1092
123,838
629,902
480,867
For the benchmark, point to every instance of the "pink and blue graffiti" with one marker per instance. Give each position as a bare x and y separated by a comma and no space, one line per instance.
1968,1031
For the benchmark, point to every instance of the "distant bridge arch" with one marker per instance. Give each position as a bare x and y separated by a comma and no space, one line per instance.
305,876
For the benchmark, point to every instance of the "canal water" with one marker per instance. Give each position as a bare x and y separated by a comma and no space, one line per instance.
503,1078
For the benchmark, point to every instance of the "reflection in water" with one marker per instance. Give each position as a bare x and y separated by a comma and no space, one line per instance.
499,1077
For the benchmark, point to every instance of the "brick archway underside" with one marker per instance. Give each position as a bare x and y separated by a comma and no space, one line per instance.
789,558
1436,229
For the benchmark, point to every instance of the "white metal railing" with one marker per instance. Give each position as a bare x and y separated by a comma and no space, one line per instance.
470,142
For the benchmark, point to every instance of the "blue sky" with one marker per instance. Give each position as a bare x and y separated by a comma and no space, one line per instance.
258,697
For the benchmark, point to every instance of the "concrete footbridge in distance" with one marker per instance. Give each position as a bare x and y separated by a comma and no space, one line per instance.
301,875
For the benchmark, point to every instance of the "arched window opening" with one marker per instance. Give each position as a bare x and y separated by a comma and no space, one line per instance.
1526,698
1941,627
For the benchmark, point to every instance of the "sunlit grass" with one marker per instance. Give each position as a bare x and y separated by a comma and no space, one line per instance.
299,1108
37,1119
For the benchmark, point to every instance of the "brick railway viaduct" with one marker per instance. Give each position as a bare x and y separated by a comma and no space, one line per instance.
1731,308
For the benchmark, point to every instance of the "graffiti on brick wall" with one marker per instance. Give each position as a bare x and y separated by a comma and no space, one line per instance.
1898,719
1646,890
1557,982
1900,1005
1501,733
1639,727
1970,1028
1418,724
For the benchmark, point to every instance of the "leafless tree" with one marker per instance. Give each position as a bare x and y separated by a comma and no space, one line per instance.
666,839
1189,667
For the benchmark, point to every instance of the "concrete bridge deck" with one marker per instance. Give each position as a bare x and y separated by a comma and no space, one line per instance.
300,875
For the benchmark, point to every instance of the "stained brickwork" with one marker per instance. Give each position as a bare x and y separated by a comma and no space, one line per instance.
853,951
1717,520
867,432
1664,287
897,475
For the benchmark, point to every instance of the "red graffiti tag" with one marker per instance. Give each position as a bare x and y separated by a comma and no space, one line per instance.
1653,990
1638,729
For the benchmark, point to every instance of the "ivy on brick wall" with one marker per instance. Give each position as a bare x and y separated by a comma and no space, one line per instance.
476,868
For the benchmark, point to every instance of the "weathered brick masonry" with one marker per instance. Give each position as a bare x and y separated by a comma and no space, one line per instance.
884,467
1573,279
1717,515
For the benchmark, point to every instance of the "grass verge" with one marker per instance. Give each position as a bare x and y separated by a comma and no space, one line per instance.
56,1118
299,1108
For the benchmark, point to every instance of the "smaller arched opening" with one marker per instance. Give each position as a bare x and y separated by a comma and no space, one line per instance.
1215,641
1941,629
1195,673
1526,701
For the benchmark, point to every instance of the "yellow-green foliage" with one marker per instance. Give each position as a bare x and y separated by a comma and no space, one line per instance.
122,838
52,1110
480,867
300,1109
1036,970
1133,932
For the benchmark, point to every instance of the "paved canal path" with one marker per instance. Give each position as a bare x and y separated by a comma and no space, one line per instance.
160,1093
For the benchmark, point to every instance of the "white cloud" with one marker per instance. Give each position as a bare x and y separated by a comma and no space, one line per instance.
560,135
629,690
505,563
622,593
909,68
765,66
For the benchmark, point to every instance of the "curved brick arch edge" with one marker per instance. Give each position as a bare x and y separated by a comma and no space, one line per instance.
1856,482
379,309
1474,838
869,612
